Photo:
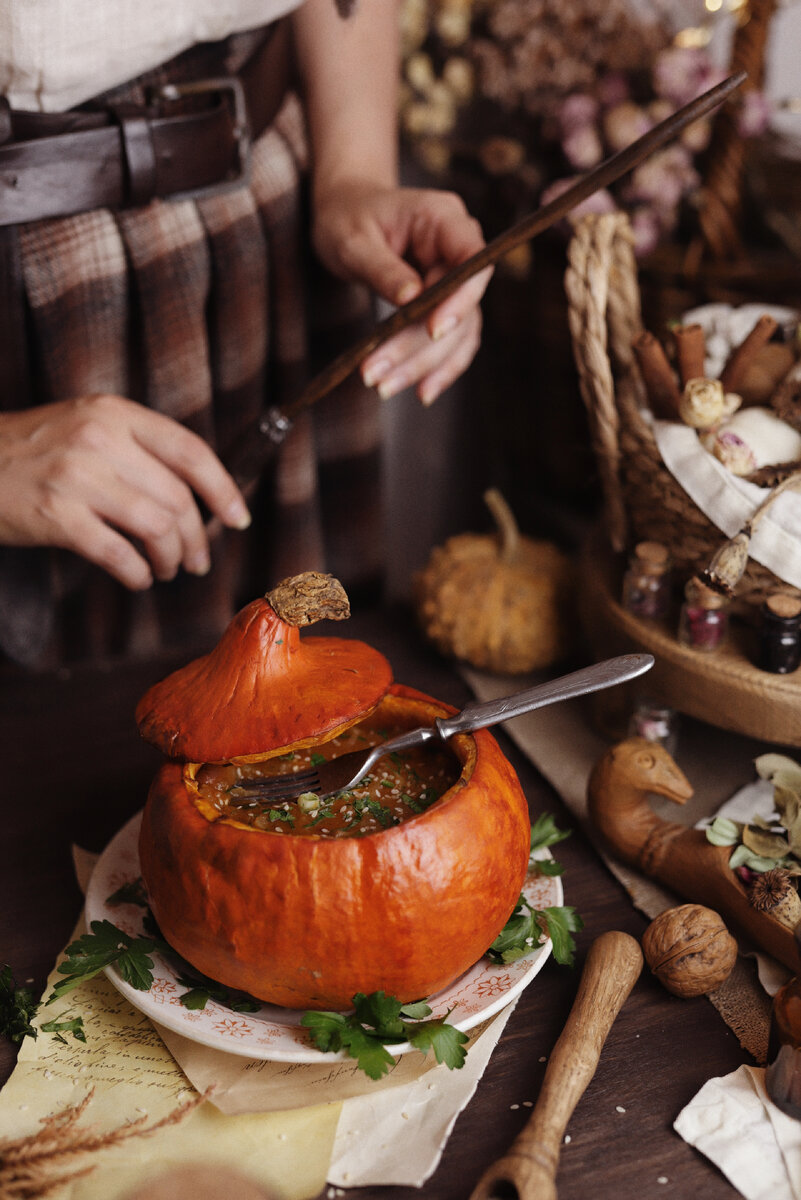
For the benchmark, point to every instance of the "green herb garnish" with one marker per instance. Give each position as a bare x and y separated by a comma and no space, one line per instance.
17,1008
202,989
106,944
527,926
378,1019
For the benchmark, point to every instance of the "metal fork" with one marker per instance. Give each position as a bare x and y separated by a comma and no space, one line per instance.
342,773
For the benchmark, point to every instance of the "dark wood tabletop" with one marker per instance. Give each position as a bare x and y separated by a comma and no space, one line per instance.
74,769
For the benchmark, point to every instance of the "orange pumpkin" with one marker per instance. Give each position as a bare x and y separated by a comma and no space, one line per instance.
306,922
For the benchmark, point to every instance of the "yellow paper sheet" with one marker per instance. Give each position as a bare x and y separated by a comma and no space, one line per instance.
133,1074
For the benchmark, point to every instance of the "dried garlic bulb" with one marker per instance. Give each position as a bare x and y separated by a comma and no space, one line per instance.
689,949
501,602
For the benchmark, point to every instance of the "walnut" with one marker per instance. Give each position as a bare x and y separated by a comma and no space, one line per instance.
689,949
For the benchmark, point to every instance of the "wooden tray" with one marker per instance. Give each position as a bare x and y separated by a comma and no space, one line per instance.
723,688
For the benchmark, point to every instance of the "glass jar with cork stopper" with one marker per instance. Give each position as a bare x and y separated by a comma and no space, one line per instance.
704,618
780,633
646,583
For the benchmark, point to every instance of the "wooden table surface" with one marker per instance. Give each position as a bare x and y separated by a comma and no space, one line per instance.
74,769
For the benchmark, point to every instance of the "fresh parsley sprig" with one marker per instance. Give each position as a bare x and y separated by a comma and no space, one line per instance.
18,1008
527,926
378,1020
92,952
544,833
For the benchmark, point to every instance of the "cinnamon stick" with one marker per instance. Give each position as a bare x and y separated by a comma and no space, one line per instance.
690,351
661,386
742,356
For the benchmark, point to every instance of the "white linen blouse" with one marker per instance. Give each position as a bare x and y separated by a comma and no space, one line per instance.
55,54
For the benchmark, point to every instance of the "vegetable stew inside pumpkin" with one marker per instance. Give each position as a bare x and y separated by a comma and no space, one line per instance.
399,787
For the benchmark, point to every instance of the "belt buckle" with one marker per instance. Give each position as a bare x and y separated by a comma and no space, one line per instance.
230,86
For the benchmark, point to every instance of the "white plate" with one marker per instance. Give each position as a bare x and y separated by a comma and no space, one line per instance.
276,1033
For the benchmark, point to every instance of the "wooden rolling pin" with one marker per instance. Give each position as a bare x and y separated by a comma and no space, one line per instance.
528,1170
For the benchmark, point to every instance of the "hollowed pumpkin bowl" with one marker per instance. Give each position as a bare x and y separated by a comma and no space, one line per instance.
308,921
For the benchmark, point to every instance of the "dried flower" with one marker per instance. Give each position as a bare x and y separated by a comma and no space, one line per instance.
774,892
583,148
702,402
729,563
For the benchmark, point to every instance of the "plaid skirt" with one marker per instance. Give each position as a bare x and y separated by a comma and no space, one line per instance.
205,310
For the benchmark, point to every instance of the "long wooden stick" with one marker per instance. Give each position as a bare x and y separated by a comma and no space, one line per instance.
248,457
528,1170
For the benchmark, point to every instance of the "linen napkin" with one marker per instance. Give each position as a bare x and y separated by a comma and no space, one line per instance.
734,1124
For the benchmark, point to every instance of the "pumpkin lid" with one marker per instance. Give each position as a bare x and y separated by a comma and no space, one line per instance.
263,687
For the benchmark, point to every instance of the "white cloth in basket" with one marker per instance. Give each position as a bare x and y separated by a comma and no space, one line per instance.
726,499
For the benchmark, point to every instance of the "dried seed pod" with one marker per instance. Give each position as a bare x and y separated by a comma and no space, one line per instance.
689,949
775,893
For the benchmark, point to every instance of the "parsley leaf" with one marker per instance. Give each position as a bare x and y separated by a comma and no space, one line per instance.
17,1008
544,833
446,1042
92,952
378,1019
74,1026
202,989
524,931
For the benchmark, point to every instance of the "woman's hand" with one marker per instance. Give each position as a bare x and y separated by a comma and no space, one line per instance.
114,482
398,240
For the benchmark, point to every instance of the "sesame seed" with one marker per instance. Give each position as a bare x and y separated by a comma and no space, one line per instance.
568,1139
619,1108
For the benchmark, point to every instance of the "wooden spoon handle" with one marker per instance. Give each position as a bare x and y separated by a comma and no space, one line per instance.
257,447
612,968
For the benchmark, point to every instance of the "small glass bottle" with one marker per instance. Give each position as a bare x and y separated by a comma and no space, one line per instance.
646,583
704,619
655,722
780,633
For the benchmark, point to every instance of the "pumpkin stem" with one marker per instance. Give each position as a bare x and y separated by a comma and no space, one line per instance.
312,596
506,523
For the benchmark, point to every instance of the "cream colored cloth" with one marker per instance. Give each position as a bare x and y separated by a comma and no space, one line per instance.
55,54
727,500
730,501
753,1143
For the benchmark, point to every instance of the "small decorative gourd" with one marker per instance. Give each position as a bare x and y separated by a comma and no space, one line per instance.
501,602
308,921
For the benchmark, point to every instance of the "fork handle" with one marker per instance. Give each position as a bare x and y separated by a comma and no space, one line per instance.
482,714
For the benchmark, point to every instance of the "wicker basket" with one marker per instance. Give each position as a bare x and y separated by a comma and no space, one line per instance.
643,500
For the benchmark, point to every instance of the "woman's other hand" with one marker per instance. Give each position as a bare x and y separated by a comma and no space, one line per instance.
399,240
114,482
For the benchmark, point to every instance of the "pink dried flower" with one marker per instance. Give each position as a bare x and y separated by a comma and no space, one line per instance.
696,137
754,115
624,123
663,179
646,229
601,202
583,148
576,111
681,73
613,88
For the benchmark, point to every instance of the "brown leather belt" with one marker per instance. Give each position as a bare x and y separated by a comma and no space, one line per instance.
53,165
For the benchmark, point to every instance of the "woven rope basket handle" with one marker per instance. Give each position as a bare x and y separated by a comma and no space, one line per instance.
604,317
720,202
